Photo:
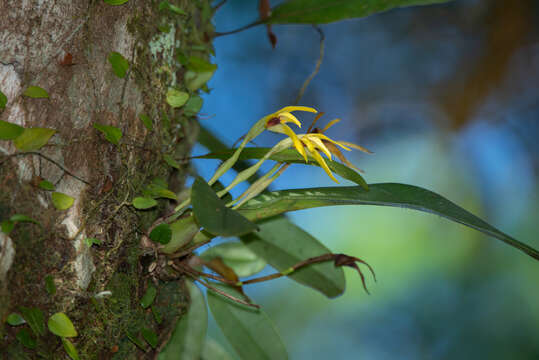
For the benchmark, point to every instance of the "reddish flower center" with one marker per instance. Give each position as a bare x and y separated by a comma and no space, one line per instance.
273,121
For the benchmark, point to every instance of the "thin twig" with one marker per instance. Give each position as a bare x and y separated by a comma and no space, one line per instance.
233,298
317,67
189,272
217,6
203,274
248,26
189,250
48,159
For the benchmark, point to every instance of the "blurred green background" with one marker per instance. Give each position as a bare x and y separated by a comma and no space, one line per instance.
447,97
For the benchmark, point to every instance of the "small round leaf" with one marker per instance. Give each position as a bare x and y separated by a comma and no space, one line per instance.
146,121
62,201
161,234
15,319
70,349
148,297
33,138
26,339
59,324
119,63
176,98
143,203
9,131
112,133
36,92
92,241
46,185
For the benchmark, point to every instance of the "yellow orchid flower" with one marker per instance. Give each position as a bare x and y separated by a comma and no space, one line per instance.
316,142
276,122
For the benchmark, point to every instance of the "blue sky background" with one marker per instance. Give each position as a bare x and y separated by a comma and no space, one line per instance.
443,291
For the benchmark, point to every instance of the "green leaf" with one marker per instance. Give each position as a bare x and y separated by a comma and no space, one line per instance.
194,80
92,241
283,244
193,106
158,318
159,191
165,5
9,131
212,214
34,318
70,349
248,330
112,133
62,201
46,185
135,340
386,194
50,286
22,218
36,92
150,336
115,2
149,297
33,138
161,234
15,319
183,231
59,324
3,101
119,64
7,226
146,121
26,339
189,333
326,11
237,256
199,65
289,156
176,98
143,203
170,161
213,350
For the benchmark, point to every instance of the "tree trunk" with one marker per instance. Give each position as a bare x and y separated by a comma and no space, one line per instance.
62,46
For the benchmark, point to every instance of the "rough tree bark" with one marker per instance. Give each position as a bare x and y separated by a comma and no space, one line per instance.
62,46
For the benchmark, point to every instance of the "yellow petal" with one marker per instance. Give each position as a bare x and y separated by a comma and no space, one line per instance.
354,146
295,139
297,108
319,144
322,136
323,164
288,118
330,124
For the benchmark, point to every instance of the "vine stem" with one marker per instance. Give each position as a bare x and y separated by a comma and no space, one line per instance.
317,66
48,159
248,26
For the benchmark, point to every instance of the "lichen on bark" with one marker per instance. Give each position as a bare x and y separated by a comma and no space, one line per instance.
36,40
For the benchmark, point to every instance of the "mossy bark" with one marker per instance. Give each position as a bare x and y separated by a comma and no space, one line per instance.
62,46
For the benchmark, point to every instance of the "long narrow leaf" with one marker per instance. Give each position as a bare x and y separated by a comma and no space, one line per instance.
326,11
386,194
249,331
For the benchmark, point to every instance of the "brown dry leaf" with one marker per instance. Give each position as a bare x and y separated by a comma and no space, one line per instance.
217,265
